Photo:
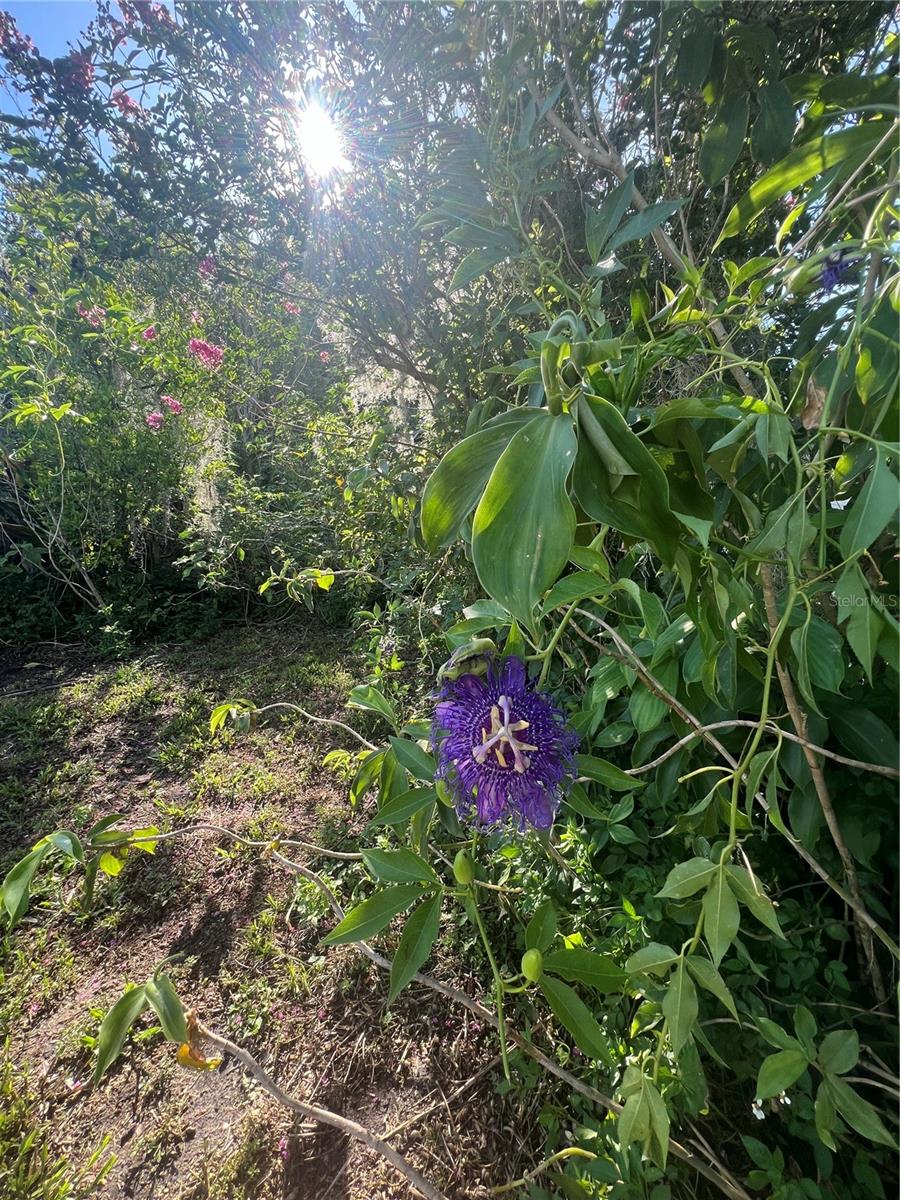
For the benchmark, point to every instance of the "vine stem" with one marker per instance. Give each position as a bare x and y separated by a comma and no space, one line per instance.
559,1156
499,986
863,922
658,689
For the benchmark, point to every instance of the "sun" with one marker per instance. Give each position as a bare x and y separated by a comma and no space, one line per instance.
321,142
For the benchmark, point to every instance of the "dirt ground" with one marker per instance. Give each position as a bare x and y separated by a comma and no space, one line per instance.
81,740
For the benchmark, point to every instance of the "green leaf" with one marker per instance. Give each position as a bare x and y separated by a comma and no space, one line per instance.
687,878
541,929
400,808
659,1126
644,222
114,1029
723,140
418,937
399,866
798,167
839,1051
710,979
373,914
773,128
68,843
776,1036
680,1006
574,1014
455,486
580,965
607,773
369,699
164,1001
779,1072
605,430
753,897
367,775
600,223
858,1113
419,764
582,585
476,264
872,510
721,916
864,625
634,1119
577,800
18,880
111,864
653,958
524,525
825,1117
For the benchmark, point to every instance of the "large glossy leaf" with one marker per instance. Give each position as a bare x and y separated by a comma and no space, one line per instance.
680,1006
417,761
600,223
115,1026
541,929
373,914
603,426
398,866
802,164
872,509
779,1071
476,264
580,965
17,883
415,944
644,222
400,808
608,774
721,915
457,482
524,525
164,1001
369,699
753,897
654,958
687,878
857,1112
571,1012
723,140
709,978
773,128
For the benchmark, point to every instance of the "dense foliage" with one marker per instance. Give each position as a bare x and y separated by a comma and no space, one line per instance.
633,271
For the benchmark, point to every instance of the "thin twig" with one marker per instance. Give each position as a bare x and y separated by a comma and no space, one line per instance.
443,1102
318,720
323,1115
875,768
647,677
798,717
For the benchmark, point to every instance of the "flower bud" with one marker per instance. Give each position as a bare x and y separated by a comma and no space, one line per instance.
532,965
464,868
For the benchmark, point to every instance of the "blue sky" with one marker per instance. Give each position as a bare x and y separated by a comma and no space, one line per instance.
52,24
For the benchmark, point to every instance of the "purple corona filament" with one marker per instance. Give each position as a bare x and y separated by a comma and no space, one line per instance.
503,747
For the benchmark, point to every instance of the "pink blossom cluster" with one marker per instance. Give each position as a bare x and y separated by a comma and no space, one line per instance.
206,268
125,104
13,44
155,419
79,70
290,307
324,356
93,315
149,333
206,354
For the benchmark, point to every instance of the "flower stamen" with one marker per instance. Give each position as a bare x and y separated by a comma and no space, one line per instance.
501,731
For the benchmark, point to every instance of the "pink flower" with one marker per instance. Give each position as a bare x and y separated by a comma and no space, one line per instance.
290,307
324,356
93,315
206,268
79,70
206,354
195,316
125,104
174,406
149,333
154,420
284,1149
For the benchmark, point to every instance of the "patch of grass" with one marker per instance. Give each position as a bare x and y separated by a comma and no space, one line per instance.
238,1175
29,1170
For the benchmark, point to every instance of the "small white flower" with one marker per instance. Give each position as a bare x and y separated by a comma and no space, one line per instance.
757,1110
783,1098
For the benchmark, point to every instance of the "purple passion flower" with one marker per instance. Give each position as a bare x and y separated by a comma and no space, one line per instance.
834,269
503,747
